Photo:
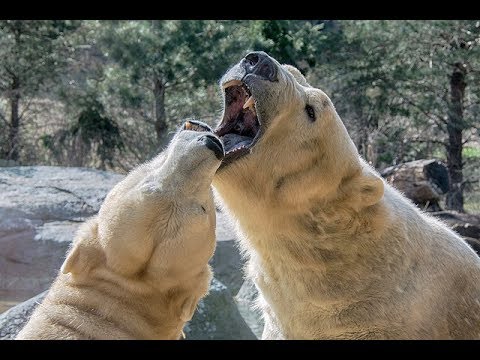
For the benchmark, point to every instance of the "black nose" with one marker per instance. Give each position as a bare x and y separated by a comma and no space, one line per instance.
259,63
214,144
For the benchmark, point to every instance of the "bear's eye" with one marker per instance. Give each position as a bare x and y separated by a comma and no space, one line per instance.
310,112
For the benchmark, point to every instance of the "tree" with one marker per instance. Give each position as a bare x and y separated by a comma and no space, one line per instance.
30,57
413,85
154,58
446,84
293,42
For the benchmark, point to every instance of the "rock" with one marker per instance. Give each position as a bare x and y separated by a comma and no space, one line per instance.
227,265
13,320
40,210
245,300
216,318
423,181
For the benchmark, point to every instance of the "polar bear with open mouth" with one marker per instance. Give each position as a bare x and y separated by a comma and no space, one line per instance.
335,252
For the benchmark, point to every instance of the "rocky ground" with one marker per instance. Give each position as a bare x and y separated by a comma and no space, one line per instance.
40,210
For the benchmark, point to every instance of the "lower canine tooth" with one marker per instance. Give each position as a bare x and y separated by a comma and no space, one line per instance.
248,103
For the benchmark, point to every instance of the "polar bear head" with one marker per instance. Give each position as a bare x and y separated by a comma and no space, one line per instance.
284,141
158,224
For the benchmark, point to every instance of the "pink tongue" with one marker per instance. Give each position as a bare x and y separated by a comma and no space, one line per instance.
250,122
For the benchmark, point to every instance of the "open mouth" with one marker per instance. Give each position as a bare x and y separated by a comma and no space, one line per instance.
240,126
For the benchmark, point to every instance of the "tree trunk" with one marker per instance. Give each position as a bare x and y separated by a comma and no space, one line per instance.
12,151
160,115
454,146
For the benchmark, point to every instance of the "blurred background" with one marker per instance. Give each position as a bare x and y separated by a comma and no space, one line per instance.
107,95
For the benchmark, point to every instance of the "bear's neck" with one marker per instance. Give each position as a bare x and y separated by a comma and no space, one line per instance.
310,239
143,311
301,259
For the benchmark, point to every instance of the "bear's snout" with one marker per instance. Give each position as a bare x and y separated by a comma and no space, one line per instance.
260,64
214,144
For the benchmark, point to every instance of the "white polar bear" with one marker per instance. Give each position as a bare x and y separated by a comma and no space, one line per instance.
138,269
335,252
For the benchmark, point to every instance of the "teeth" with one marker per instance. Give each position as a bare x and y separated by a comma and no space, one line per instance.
236,149
231,83
249,103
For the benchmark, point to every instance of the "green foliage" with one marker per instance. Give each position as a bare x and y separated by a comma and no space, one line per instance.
471,152
32,51
32,56
292,42
93,127
389,81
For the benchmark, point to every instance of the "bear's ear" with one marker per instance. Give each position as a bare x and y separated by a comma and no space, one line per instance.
371,188
297,75
83,256
75,262
69,262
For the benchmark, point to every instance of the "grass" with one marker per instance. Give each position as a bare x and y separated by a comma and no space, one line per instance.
470,152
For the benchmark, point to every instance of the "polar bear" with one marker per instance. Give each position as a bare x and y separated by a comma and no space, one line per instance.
335,252
138,269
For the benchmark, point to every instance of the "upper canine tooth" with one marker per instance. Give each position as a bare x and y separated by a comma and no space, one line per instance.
248,103
231,83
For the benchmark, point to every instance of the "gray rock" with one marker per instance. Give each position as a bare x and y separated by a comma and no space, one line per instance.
216,318
41,207
227,264
245,300
13,320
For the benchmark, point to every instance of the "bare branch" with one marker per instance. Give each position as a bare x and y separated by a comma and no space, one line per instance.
435,118
26,108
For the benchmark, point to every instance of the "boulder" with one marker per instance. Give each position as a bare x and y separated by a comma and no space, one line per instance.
40,210
13,320
423,181
216,318
245,300
227,264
